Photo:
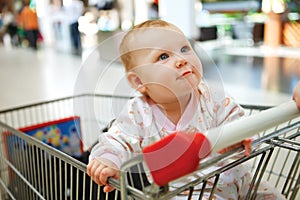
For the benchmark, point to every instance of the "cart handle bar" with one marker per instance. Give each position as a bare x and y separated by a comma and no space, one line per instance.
179,153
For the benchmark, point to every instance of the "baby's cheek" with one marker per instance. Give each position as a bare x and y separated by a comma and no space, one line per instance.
199,69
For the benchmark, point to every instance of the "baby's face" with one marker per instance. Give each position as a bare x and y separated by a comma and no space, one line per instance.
165,62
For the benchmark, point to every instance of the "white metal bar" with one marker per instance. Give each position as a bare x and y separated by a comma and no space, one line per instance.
246,127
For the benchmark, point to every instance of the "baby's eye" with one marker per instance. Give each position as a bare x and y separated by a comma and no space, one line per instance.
163,56
184,49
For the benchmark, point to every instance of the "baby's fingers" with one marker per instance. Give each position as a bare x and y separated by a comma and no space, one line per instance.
226,149
92,166
106,173
247,146
108,188
94,170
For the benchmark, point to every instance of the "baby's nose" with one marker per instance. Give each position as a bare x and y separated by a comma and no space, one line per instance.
180,62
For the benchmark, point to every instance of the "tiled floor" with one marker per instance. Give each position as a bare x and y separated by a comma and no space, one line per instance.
28,76
251,75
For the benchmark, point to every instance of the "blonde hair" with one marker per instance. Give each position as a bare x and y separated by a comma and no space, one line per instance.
126,54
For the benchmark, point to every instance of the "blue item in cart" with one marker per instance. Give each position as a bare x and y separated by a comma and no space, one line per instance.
63,134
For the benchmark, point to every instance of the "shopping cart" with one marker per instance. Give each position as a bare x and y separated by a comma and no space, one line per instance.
31,169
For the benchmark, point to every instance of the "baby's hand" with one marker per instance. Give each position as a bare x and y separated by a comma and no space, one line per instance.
100,171
246,143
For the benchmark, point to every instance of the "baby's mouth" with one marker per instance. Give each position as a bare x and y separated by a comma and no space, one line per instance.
184,74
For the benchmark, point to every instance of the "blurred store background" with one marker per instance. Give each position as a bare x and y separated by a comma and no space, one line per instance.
255,41
201,19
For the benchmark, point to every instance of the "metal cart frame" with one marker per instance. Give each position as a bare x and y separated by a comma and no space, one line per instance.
30,169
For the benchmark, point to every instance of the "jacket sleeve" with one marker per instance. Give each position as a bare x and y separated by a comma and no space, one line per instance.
228,110
221,106
127,135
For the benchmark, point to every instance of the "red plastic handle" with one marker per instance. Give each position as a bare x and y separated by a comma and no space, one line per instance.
176,155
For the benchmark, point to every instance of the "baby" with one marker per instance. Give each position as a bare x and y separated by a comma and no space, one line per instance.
161,64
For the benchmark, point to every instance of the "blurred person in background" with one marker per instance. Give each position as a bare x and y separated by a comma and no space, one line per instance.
74,9
8,28
153,10
29,22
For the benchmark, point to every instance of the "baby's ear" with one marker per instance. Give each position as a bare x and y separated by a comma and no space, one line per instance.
135,82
